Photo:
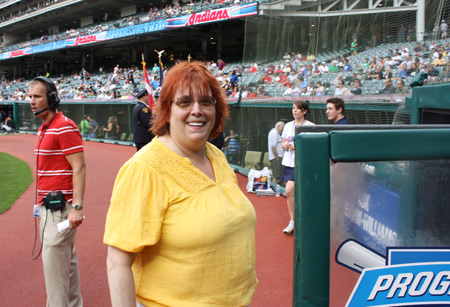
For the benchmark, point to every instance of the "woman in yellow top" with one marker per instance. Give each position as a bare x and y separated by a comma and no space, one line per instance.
179,229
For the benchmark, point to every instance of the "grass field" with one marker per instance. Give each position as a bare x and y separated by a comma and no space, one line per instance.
15,177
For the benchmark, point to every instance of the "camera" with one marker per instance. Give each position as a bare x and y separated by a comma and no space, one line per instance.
54,200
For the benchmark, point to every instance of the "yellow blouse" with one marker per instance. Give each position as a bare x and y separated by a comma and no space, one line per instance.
195,237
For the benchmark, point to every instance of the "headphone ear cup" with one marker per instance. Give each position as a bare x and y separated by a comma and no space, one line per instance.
52,99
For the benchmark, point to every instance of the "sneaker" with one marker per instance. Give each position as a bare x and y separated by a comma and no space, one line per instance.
289,228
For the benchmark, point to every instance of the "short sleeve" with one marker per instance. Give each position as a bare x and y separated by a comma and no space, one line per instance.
272,139
138,204
70,140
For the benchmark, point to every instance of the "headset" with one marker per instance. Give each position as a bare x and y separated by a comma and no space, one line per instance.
52,96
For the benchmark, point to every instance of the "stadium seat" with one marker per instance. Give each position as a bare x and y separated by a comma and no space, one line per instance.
252,159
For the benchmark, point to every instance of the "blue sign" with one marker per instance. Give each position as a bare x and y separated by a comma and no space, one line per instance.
422,278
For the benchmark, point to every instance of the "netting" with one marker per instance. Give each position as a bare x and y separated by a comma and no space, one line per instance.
276,31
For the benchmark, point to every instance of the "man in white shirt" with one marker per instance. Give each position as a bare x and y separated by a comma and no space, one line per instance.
276,152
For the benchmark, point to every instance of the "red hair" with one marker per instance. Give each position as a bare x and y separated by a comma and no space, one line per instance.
196,77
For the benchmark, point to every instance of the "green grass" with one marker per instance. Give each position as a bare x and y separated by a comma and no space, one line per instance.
15,177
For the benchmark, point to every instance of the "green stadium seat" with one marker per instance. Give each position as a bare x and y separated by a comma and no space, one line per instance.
252,159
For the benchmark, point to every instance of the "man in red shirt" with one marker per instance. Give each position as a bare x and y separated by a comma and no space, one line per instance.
61,171
267,79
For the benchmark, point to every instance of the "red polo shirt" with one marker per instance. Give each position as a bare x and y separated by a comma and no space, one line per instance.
56,139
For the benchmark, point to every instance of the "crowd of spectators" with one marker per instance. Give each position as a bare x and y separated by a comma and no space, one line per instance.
154,13
293,75
120,83
300,75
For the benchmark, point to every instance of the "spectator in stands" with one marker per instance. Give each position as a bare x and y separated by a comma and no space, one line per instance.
335,82
403,73
266,79
251,93
235,91
155,82
323,68
287,67
397,58
333,67
387,73
177,210
310,90
221,64
414,69
304,91
361,75
347,66
234,77
356,90
155,69
275,150
253,67
228,90
446,74
388,88
299,111
261,92
278,70
417,49
303,83
292,76
401,89
366,63
447,47
377,74
351,79
308,71
389,63
320,89
335,111
341,89
432,72
244,91
373,63
440,61
408,61
292,90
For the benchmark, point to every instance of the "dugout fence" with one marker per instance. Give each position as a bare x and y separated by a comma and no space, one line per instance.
252,119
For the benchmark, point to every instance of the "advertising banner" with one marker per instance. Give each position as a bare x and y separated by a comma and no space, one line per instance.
420,277
222,14
388,234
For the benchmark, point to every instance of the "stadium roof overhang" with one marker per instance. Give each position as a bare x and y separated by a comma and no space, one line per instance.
314,8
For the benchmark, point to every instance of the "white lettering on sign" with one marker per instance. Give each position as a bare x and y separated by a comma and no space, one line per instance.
413,285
